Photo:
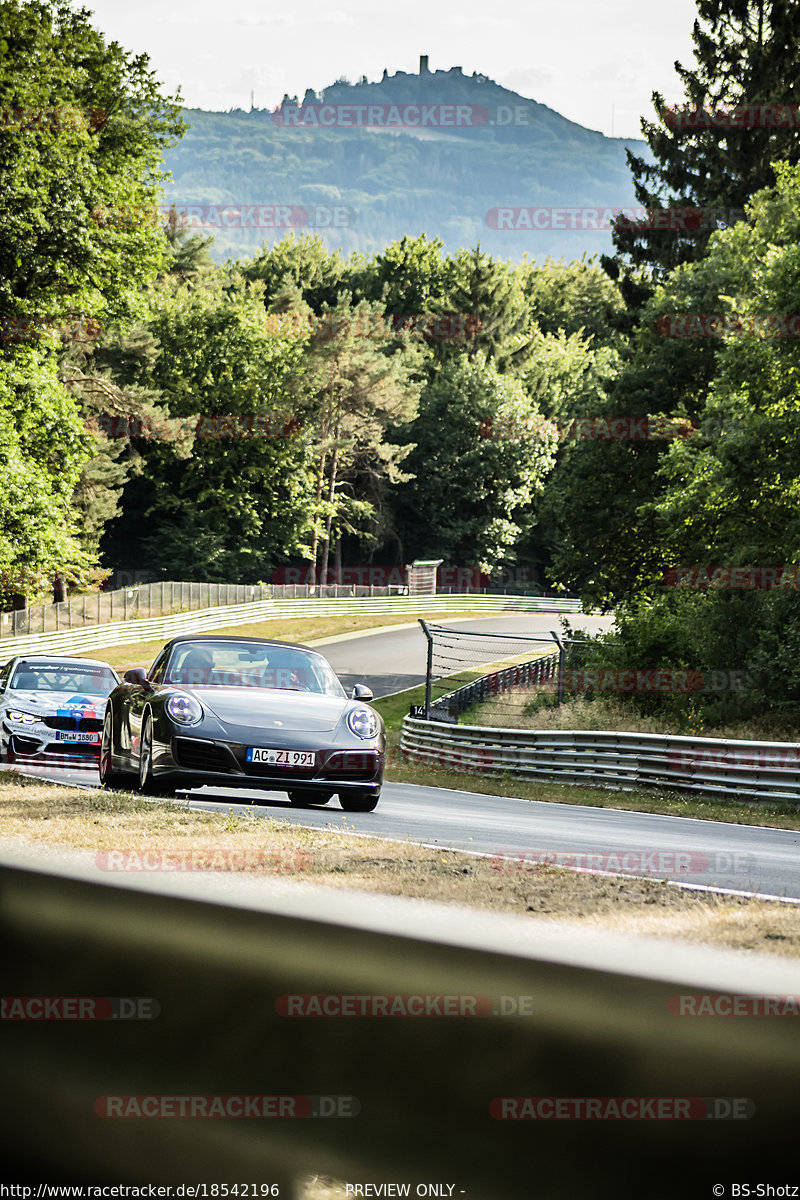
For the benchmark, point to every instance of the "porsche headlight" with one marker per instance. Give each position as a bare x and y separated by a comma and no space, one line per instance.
186,710
14,714
362,722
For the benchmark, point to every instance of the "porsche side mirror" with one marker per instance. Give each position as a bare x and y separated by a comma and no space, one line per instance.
362,692
138,677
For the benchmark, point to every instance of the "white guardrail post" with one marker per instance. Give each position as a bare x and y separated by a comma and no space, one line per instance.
560,1012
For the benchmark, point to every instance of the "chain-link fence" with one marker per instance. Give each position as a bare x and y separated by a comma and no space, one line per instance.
161,599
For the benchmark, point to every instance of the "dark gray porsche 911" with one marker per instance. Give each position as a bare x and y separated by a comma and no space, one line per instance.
243,712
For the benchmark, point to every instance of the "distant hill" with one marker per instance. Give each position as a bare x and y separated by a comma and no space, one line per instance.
438,152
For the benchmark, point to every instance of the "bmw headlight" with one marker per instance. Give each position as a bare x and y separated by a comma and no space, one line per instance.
186,710
362,722
14,714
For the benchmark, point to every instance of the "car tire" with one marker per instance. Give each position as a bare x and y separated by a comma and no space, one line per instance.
148,783
306,798
108,776
358,801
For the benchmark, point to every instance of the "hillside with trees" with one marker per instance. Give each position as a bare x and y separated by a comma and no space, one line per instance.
391,179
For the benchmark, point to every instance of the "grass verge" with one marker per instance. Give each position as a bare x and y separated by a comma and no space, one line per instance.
527,710
128,833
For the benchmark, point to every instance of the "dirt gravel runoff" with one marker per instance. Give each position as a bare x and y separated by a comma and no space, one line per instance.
127,833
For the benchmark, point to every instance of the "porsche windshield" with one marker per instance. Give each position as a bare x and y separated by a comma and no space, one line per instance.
250,664
80,678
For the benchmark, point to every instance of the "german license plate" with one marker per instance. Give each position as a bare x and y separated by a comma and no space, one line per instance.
91,738
282,758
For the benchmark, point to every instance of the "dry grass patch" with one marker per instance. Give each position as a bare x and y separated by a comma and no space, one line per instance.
524,710
38,814
748,925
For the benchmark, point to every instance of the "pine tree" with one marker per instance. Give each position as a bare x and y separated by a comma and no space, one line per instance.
746,52
105,377
189,256
365,395
489,296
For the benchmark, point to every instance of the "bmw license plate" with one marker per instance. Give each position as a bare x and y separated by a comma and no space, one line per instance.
92,738
282,758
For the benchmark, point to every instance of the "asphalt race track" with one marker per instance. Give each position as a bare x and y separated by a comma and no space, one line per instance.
394,660
707,853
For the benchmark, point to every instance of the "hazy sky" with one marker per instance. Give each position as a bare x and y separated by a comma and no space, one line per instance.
595,61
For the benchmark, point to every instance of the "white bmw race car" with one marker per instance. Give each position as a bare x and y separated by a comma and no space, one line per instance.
51,709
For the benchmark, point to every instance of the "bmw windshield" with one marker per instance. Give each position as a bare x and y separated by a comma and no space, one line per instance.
80,678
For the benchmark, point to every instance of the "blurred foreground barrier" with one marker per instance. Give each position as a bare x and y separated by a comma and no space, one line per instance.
224,962
758,770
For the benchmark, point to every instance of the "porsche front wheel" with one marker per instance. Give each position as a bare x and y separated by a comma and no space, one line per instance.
358,801
149,783
108,776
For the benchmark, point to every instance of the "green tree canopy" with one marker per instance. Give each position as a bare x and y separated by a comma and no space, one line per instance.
219,499
483,449
83,126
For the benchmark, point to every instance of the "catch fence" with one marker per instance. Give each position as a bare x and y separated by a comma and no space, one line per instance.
456,680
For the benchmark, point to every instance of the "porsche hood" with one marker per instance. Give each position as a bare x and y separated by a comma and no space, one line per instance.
272,709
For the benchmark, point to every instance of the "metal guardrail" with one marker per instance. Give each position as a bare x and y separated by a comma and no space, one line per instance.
592,1015
752,770
126,632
